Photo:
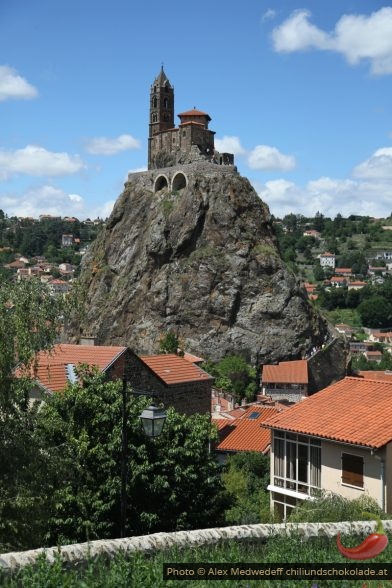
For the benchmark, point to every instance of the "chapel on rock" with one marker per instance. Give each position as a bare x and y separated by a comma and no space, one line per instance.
191,141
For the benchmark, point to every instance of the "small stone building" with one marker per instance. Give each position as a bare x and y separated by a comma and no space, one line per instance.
176,381
286,381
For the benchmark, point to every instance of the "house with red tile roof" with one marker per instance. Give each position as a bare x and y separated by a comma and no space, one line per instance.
356,285
245,433
312,233
172,379
56,368
288,380
343,271
338,440
176,381
344,329
381,337
376,375
375,356
338,281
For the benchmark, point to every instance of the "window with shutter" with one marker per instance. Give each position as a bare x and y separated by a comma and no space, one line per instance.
352,470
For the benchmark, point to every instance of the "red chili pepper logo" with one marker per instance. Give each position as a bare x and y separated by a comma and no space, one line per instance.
372,546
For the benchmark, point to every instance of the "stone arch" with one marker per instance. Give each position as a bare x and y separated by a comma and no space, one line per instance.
160,183
179,181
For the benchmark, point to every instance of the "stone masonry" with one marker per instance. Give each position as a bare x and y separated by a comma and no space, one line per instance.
80,553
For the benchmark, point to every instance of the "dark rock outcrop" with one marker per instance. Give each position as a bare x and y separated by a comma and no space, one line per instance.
192,249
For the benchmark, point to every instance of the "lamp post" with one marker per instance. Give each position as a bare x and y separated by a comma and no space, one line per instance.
152,419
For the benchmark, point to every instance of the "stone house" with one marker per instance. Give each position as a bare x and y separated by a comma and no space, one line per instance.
175,381
288,380
338,440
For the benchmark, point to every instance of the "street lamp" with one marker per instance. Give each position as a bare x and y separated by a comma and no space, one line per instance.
152,419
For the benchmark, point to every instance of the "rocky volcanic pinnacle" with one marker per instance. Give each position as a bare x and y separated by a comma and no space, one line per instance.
200,259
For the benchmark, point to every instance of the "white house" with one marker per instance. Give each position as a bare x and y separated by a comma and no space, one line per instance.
339,440
327,259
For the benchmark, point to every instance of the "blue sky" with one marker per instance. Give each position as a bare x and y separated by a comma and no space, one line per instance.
300,91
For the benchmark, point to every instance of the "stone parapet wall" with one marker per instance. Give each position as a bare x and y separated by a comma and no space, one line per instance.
148,177
80,552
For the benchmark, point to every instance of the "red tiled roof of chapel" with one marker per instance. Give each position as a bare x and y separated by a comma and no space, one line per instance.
193,112
172,369
354,410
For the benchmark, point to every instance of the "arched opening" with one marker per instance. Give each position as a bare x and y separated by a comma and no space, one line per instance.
160,183
179,181
166,103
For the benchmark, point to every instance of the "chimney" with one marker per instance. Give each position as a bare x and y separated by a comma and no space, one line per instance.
85,340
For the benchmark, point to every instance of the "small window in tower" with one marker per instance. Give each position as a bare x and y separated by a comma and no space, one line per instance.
154,118
184,133
166,103
155,102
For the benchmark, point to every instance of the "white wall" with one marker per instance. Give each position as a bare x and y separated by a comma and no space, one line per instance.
331,472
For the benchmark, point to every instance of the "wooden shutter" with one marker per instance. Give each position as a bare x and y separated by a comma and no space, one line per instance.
352,470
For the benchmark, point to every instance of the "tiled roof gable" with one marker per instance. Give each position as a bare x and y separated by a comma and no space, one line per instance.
51,365
286,372
354,410
246,433
172,369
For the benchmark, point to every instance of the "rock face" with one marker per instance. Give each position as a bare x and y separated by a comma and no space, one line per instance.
191,248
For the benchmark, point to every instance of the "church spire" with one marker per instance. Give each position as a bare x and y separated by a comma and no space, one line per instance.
161,107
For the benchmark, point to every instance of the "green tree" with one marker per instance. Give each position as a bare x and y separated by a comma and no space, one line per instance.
318,272
246,478
29,320
331,508
235,375
375,312
169,343
173,481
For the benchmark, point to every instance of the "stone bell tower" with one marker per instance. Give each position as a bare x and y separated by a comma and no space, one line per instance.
161,109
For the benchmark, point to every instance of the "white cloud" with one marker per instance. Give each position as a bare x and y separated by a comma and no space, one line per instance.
13,86
49,199
106,146
229,145
357,37
269,14
270,158
297,34
378,166
105,210
42,200
37,161
136,170
329,196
